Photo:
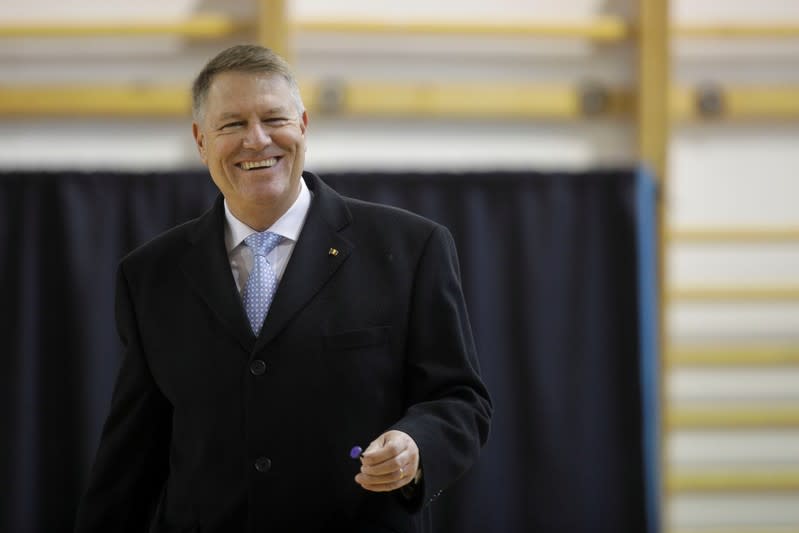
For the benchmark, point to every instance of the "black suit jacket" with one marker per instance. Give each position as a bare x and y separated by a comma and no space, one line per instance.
212,429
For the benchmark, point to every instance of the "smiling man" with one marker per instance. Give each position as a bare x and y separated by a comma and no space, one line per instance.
266,338
250,130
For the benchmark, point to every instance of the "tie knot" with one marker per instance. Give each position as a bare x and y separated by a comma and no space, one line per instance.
263,243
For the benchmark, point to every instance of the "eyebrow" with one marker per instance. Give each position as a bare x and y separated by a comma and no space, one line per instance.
234,114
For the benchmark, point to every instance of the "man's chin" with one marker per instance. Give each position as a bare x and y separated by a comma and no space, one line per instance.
272,193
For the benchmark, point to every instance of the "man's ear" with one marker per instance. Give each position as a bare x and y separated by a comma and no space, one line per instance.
304,122
199,139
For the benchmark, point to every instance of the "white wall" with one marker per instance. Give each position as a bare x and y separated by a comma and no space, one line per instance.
734,174
333,144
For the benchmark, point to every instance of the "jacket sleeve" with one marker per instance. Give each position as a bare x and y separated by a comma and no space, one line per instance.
449,408
133,457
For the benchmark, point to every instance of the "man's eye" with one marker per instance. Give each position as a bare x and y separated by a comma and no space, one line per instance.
276,121
232,125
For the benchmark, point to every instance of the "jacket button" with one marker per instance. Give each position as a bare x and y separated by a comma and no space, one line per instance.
263,464
257,367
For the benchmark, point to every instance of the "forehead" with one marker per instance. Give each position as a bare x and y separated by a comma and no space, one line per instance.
232,92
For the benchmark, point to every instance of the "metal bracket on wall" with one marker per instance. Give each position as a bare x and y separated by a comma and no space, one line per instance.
709,101
594,98
330,97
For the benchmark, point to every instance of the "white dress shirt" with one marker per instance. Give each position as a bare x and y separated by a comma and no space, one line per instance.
289,226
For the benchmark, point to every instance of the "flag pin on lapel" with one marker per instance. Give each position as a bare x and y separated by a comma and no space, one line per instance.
332,251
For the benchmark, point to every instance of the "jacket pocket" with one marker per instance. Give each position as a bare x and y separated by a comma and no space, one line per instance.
357,338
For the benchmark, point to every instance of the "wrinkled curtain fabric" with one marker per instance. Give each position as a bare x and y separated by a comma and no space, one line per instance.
558,272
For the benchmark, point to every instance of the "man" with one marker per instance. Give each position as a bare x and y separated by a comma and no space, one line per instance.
267,338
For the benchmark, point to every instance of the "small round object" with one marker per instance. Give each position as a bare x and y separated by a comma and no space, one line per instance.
709,101
402,473
594,99
331,96
355,452
257,367
263,464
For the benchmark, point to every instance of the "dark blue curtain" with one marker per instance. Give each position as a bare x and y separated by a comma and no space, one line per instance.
559,276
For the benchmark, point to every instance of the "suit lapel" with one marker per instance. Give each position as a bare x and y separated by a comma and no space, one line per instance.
318,253
207,267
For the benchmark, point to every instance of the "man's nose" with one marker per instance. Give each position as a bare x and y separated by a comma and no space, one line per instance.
256,137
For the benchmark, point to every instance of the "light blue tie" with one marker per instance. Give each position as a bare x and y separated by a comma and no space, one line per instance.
262,283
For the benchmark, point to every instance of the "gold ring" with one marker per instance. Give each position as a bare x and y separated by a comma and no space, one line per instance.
402,472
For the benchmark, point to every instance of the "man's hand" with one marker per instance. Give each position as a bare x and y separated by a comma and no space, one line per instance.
390,462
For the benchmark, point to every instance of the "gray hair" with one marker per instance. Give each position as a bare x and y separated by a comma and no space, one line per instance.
242,58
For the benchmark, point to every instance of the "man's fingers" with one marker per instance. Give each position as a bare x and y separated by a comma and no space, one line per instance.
386,482
383,488
390,462
378,454
390,465
386,446
383,479
374,446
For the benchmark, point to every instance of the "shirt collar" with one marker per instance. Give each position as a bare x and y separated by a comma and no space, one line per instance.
289,225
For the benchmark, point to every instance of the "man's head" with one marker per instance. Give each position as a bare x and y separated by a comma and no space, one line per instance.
242,58
249,126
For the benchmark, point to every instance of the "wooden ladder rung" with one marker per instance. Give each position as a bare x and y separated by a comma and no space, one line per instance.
718,417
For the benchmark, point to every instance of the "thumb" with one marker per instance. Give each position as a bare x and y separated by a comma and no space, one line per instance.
376,444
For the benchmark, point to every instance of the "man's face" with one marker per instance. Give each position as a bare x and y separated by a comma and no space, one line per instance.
251,137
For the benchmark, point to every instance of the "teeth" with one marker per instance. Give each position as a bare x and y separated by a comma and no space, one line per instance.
266,163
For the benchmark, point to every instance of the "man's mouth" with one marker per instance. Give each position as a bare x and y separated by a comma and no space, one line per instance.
252,165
